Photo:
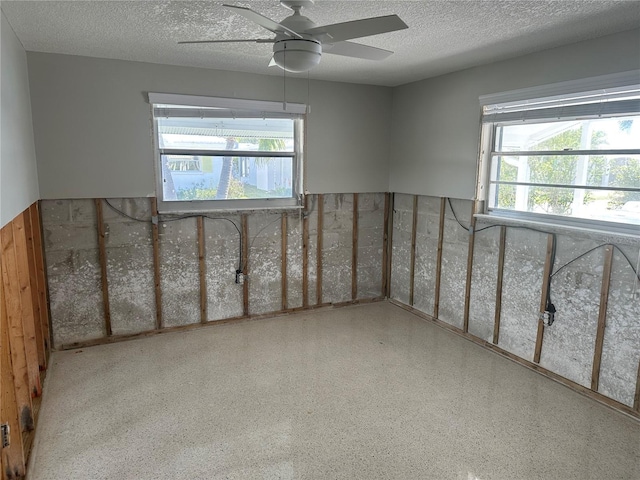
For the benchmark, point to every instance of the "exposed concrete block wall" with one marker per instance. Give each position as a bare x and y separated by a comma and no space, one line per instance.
568,346
370,244
454,265
73,270
337,238
524,259
75,273
483,293
130,266
180,272
401,247
265,262
621,350
222,259
427,234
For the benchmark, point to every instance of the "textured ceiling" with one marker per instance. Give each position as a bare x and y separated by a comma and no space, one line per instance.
443,36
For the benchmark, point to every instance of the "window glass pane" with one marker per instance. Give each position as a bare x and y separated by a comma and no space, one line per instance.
595,134
186,177
610,205
586,170
247,134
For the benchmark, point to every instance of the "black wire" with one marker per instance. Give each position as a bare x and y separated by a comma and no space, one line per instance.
553,250
184,217
124,214
578,258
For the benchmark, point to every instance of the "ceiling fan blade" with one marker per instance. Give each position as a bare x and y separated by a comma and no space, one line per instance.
359,28
357,50
261,20
257,40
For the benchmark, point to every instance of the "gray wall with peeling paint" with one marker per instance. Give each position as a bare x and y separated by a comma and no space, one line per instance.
568,345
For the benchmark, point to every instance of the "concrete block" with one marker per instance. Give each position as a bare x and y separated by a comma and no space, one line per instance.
122,234
75,298
131,289
55,212
621,348
294,261
139,208
83,211
452,283
69,236
222,259
401,262
575,291
521,290
265,263
427,231
337,247
338,202
484,278
179,272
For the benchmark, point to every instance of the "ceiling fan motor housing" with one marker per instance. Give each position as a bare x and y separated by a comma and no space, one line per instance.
297,54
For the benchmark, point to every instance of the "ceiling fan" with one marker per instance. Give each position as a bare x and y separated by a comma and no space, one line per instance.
299,42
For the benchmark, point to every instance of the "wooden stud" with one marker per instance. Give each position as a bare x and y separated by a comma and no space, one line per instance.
245,264
305,252
202,266
498,311
385,245
283,257
467,290
354,249
389,250
103,267
15,331
156,261
602,317
35,298
13,460
414,233
436,303
26,299
543,297
38,256
636,399
320,249
43,288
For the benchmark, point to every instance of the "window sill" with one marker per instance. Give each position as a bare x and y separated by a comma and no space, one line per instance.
592,233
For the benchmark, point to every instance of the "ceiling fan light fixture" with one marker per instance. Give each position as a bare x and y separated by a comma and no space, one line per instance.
296,54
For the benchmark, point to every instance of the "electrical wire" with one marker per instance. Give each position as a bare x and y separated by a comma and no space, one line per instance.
184,217
550,308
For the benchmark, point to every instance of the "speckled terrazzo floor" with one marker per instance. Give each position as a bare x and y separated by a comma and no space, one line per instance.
366,392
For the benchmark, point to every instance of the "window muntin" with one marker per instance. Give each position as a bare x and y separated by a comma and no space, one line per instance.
584,167
211,157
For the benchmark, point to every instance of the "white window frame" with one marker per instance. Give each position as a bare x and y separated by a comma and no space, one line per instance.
508,108
260,109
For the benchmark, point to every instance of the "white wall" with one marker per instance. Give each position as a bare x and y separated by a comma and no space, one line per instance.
93,135
436,122
18,175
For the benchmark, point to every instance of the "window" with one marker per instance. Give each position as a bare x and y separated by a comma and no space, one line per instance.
216,153
572,158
